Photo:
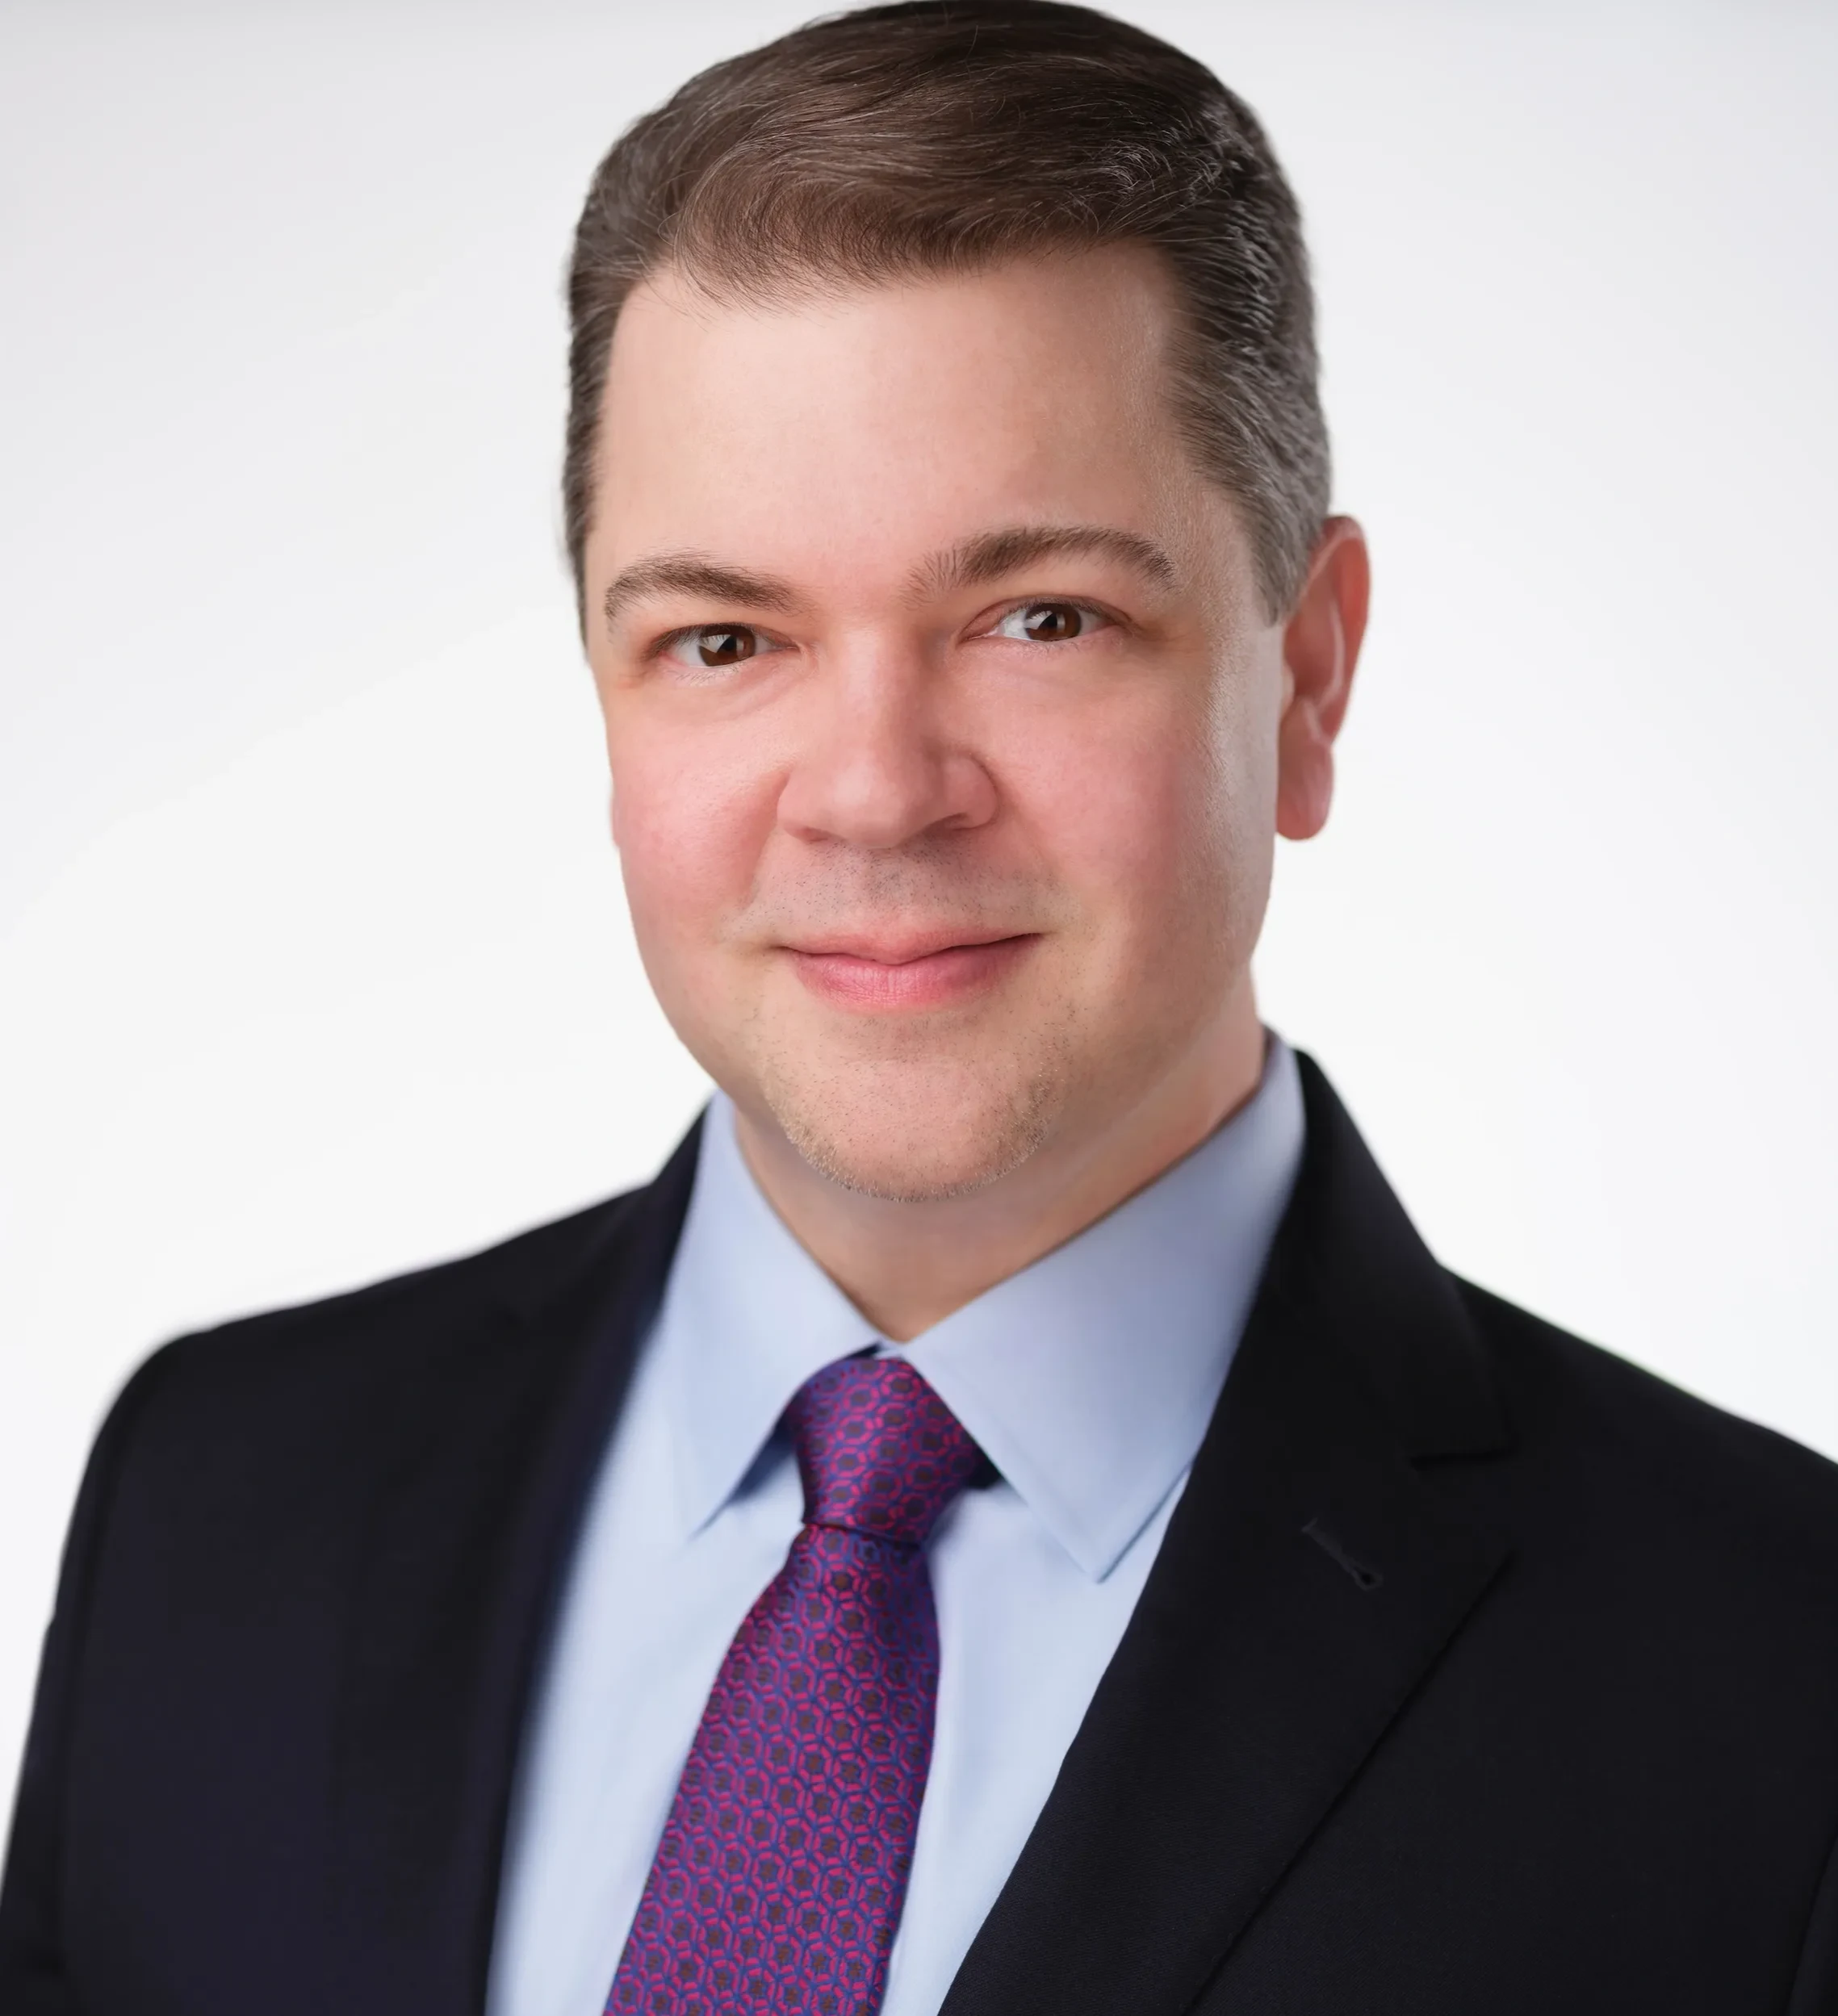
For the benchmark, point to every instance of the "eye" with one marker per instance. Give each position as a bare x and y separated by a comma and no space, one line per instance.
714,646
1049,622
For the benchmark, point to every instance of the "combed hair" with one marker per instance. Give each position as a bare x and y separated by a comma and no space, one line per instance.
950,135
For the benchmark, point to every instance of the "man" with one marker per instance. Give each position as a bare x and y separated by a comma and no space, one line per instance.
1012,1519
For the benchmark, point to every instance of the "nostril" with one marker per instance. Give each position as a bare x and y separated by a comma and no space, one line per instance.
1367,1578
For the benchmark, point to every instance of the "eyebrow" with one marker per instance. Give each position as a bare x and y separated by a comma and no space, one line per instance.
694,574
988,556
985,556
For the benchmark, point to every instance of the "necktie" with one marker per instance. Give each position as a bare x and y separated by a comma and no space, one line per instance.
778,1883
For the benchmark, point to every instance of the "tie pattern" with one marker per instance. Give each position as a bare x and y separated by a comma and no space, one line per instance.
778,1883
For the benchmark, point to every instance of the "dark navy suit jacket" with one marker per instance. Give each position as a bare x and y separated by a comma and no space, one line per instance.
1479,1675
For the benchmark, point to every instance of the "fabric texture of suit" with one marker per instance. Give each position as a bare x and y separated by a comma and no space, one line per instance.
1478,1670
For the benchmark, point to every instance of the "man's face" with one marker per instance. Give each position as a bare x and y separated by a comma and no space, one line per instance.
942,712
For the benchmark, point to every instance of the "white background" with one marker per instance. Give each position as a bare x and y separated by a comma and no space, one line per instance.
313,964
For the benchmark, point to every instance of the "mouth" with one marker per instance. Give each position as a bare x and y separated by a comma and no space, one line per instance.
908,972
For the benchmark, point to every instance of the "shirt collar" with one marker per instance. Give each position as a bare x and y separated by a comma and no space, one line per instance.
1087,1379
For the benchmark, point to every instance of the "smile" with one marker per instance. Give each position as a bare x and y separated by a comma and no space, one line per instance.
892,978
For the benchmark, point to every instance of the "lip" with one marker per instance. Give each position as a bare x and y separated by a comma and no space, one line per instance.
936,971
898,947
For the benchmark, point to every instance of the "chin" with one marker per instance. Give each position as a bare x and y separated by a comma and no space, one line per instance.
914,1131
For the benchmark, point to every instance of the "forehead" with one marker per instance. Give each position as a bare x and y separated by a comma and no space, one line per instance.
856,429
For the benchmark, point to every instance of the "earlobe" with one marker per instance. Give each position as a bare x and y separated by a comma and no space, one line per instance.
1321,648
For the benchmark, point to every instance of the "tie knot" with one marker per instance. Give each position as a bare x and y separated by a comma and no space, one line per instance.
879,1452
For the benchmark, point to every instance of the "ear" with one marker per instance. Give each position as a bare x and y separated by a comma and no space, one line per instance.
1320,646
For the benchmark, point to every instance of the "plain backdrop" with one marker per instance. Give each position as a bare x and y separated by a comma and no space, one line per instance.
313,960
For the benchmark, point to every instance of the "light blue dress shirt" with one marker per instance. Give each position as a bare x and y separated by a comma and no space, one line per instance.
1088,1379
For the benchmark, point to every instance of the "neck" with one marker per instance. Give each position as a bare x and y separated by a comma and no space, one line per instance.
907,1265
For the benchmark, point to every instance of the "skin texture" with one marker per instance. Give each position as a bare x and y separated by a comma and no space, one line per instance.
949,868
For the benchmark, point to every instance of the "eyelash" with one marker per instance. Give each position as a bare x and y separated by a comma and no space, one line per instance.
662,646
1090,610
665,644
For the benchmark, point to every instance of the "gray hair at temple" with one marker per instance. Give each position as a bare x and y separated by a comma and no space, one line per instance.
950,135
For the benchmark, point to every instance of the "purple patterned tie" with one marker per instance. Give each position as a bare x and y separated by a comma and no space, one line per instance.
778,1883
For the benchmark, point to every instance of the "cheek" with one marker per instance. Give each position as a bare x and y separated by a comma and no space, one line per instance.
689,827
1159,821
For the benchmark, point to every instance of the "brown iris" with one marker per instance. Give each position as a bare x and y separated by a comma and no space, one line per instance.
1052,622
726,644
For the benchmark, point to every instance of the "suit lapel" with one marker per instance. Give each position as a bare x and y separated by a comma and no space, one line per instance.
463,1551
1309,1581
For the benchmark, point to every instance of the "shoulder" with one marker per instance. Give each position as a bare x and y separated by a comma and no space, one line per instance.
394,1346
1594,1432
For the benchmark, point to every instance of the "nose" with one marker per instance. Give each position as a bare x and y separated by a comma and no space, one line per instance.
878,766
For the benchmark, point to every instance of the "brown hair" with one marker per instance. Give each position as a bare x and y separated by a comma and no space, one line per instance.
947,136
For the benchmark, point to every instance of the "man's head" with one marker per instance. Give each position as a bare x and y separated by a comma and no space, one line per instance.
946,488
